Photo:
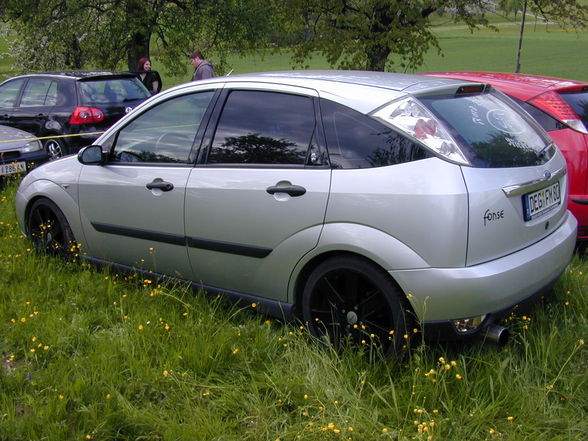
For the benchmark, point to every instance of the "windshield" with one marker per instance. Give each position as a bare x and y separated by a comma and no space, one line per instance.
579,102
112,90
491,130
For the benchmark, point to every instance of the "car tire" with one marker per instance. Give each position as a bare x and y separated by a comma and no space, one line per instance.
49,230
55,148
350,301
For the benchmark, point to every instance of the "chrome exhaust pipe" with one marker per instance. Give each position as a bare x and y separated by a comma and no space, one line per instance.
496,334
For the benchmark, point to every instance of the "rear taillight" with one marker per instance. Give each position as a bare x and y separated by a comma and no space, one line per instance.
415,120
86,115
555,105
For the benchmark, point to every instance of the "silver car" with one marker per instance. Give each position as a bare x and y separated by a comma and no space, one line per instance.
19,151
362,203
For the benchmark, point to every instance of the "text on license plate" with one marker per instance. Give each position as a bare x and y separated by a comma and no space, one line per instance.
541,201
13,167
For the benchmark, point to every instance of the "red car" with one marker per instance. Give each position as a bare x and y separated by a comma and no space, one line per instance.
561,108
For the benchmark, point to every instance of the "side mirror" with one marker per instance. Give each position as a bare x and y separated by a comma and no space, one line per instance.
92,155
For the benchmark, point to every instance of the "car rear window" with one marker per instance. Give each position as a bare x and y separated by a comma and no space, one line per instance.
579,102
491,131
110,91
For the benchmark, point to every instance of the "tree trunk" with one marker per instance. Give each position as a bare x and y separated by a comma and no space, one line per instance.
137,47
138,43
518,60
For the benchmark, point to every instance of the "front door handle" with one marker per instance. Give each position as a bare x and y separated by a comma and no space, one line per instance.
160,184
292,190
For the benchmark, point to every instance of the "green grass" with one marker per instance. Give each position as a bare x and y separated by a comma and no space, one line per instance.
90,355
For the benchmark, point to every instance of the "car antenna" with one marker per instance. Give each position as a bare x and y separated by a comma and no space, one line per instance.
229,73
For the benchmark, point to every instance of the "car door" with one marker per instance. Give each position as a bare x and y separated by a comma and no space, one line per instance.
32,113
9,93
132,208
257,202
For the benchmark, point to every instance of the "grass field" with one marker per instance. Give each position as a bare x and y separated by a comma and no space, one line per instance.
88,355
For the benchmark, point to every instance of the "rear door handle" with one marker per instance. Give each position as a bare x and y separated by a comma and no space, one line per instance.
160,184
292,190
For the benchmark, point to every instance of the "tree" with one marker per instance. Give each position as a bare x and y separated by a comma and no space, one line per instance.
57,34
391,34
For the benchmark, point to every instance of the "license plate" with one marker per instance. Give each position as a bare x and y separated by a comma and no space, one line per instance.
13,167
541,201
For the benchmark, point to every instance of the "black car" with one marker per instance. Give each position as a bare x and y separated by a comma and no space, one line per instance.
68,110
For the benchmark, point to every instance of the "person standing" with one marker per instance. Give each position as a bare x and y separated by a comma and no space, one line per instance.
203,68
148,77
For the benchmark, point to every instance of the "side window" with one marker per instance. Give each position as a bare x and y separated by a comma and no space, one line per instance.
355,140
546,121
39,92
9,92
163,134
259,127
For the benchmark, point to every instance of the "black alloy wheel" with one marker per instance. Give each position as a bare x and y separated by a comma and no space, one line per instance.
55,148
348,300
49,230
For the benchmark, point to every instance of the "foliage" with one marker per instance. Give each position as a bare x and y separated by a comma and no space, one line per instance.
392,34
89,355
58,34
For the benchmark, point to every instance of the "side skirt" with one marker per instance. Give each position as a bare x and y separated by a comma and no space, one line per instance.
280,310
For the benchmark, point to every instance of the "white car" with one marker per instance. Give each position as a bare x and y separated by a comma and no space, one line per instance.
362,203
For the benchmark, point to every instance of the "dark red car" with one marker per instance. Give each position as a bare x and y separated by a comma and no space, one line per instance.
561,108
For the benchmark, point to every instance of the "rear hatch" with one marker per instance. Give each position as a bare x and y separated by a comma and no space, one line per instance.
516,177
113,95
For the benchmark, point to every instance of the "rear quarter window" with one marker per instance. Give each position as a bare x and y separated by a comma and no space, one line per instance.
579,102
355,140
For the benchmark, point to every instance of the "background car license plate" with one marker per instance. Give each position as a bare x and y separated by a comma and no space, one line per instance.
13,167
541,201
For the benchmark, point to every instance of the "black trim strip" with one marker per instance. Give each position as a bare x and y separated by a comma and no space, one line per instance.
581,201
174,239
228,247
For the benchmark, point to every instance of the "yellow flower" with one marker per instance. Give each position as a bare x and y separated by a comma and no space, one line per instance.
140,327
34,339
61,397
441,360
254,305
385,430
581,341
459,377
331,426
491,431
235,351
510,418
305,397
165,373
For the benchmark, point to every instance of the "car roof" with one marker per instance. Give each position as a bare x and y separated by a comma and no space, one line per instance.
80,74
363,90
522,86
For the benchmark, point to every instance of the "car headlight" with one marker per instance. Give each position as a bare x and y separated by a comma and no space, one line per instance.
414,119
31,146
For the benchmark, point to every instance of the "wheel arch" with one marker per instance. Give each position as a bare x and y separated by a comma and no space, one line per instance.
369,244
45,189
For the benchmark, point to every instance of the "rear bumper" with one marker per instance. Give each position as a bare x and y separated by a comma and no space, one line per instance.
439,295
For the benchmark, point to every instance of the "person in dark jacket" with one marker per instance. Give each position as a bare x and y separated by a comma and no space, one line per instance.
150,79
203,68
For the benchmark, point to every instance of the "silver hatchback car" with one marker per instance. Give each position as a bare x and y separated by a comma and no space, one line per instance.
363,203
